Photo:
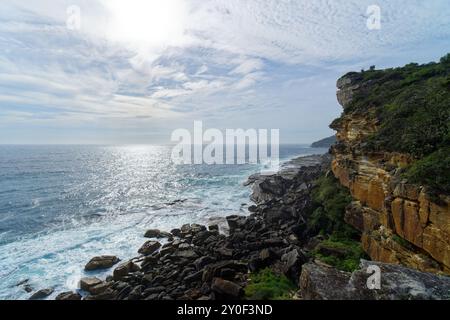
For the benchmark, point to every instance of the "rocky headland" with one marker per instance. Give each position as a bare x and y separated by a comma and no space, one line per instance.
201,263
323,225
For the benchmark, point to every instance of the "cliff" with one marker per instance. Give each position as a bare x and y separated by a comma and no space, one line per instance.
324,143
392,154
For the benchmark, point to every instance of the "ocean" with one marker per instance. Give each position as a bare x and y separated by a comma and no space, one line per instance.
62,205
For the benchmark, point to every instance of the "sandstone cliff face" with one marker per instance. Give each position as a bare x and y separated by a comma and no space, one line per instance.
400,223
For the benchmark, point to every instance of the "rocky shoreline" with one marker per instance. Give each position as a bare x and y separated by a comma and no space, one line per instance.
201,263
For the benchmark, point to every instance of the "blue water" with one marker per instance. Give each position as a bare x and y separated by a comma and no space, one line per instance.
62,205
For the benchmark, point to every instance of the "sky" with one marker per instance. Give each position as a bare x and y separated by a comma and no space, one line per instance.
132,71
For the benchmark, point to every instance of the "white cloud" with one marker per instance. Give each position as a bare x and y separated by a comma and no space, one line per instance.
196,58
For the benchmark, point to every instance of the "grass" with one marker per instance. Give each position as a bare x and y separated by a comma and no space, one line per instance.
267,285
350,257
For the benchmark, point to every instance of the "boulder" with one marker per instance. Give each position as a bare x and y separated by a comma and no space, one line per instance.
124,269
149,247
235,222
152,233
226,289
99,288
320,282
213,228
68,296
41,294
87,283
201,262
187,254
292,263
101,262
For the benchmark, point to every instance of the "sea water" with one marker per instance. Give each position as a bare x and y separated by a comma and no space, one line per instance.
62,205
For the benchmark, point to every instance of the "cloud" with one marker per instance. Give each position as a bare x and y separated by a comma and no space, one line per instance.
227,61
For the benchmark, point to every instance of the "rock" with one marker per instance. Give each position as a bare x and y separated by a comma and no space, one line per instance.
152,233
327,250
225,252
226,289
176,232
166,235
28,288
267,256
194,277
108,294
136,293
213,228
101,262
319,282
235,222
87,283
68,296
201,262
99,288
292,263
124,269
188,254
41,294
149,247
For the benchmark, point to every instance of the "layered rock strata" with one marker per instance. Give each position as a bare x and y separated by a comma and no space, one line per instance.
401,223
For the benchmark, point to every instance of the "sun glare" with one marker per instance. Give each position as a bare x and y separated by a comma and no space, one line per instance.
148,22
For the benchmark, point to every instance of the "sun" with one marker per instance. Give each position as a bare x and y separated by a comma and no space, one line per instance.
147,22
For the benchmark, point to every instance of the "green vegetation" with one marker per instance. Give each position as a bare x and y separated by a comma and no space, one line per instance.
329,202
341,248
403,242
267,285
412,106
344,254
433,171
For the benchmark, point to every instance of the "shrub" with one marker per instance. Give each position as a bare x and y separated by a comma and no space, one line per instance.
329,202
433,171
267,285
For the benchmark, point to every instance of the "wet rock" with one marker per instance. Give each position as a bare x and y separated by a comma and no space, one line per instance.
149,247
235,222
99,288
41,294
68,296
87,283
226,289
124,269
176,232
108,294
152,233
101,262
213,228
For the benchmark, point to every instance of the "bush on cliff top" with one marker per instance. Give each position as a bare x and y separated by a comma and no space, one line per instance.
412,106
